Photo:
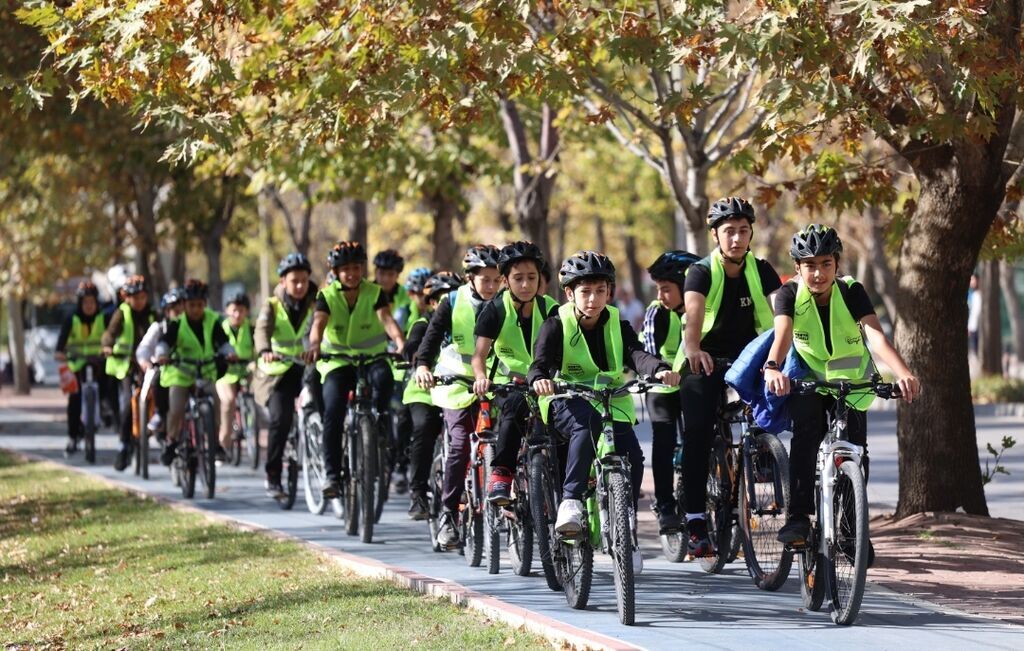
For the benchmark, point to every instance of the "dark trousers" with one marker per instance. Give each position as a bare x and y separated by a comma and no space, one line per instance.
577,419
426,422
336,387
460,423
282,411
699,396
809,421
403,433
74,411
665,414
514,412
124,407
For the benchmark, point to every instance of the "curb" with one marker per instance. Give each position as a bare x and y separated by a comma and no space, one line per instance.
565,635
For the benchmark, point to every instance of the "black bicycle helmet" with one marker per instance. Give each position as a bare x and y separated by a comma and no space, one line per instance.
586,265
416,279
440,284
291,262
480,256
345,253
517,252
171,297
814,240
389,259
729,208
195,289
87,288
241,298
672,266
133,285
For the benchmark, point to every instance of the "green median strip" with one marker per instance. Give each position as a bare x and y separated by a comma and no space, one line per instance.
83,565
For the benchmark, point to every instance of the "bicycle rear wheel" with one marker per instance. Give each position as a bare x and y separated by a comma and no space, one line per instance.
574,563
812,582
719,509
622,529
846,558
472,524
291,481
368,471
543,511
764,499
382,487
434,500
673,545
313,473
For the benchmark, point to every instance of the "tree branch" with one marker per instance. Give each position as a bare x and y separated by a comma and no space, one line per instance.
617,100
638,148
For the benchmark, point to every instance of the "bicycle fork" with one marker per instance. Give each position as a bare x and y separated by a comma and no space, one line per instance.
831,455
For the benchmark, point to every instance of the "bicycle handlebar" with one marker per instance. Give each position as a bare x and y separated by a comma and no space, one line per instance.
886,390
575,390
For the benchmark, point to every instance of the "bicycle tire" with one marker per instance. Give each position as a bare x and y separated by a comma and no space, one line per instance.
187,463
621,528
368,471
207,452
142,449
90,409
237,434
543,511
766,475
252,434
381,487
472,524
291,484
719,509
136,433
492,516
844,579
673,545
812,582
351,484
574,562
313,473
434,502
520,527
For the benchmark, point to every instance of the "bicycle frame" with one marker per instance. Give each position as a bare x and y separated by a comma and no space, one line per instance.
834,449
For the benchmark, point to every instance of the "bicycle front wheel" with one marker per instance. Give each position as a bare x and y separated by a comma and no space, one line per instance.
623,534
520,527
846,557
492,516
812,583
543,511
251,430
206,446
313,473
764,498
719,510
368,474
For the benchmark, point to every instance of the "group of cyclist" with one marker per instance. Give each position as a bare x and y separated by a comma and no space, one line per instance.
496,324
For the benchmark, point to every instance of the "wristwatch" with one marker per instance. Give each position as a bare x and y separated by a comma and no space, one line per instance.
770,364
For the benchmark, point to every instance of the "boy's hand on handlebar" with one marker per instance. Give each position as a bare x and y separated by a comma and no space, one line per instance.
776,381
270,356
544,387
424,378
481,386
910,387
310,356
700,362
108,350
669,378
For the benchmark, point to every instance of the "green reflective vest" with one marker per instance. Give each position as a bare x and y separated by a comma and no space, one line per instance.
578,365
849,359
351,331
673,342
764,319
242,342
458,396
120,362
82,344
187,346
284,340
413,392
514,353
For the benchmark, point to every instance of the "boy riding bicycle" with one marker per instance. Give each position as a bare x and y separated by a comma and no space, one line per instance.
80,338
586,342
352,317
828,320
239,330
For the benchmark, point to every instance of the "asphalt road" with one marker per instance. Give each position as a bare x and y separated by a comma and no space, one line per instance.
676,603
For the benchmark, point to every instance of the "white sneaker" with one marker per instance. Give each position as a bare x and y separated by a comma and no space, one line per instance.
570,517
638,562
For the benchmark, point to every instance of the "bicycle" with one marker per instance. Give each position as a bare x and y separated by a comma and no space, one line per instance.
244,430
142,410
748,494
834,559
197,441
609,514
89,394
364,475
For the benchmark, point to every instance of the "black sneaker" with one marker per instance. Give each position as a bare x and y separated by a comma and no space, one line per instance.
274,488
71,447
668,519
698,544
221,455
796,531
123,457
332,489
170,451
418,507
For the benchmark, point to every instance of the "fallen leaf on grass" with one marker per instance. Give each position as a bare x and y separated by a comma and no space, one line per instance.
152,600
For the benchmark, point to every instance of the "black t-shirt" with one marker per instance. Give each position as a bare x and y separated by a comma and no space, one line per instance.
855,297
383,300
492,318
734,325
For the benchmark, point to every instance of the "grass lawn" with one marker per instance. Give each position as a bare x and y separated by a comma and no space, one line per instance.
83,565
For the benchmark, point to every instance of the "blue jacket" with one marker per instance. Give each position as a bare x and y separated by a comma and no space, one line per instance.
771,412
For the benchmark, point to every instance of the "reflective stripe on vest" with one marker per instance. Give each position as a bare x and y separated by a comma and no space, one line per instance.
673,342
187,346
120,362
351,332
849,359
514,353
244,349
79,346
284,340
578,364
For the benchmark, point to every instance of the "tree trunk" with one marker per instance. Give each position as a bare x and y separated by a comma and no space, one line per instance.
357,223
636,272
266,243
533,188
1014,310
697,194
144,221
16,342
938,450
599,240
446,212
213,239
990,346
884,281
